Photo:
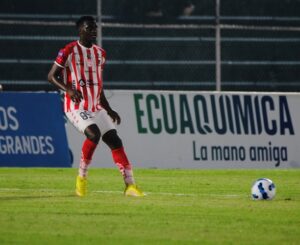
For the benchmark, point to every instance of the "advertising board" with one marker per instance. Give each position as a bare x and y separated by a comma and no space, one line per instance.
32,130
173,129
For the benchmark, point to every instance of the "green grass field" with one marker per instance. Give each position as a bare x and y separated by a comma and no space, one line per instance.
38,206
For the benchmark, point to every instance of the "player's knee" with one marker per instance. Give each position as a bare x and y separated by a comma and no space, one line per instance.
112,139
92,132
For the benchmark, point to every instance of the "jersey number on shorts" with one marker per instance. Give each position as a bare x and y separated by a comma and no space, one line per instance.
85,115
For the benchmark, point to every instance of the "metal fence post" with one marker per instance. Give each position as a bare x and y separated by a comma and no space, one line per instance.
218,47
99,18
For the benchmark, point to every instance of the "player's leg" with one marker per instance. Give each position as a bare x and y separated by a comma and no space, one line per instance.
111,138
93,135
114,142
119,156
84,122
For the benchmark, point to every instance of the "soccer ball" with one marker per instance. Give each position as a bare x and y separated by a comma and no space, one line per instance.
263,189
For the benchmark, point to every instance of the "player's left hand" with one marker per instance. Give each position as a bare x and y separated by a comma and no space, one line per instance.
115,116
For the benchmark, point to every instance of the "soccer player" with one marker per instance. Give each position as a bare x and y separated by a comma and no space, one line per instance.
77,71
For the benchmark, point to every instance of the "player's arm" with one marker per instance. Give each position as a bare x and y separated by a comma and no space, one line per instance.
113,114
54,77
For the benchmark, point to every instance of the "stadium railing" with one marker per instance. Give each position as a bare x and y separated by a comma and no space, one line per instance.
254,54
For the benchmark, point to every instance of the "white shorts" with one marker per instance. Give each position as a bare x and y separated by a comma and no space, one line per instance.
81,119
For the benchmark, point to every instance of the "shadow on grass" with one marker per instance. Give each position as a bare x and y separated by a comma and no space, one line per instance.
32,197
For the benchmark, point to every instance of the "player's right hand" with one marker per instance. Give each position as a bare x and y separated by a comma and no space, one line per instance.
114,115
75,95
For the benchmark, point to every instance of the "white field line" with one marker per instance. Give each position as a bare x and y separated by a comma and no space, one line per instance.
120,192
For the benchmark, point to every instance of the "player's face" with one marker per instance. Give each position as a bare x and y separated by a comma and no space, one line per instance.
89,31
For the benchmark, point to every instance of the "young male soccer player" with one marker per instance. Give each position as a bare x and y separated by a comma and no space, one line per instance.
77,71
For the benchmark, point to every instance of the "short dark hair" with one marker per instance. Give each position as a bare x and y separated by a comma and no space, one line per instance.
83,19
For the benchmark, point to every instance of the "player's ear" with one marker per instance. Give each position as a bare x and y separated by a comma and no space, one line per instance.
80,29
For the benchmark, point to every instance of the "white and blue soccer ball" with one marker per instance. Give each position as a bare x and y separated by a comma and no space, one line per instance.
263,189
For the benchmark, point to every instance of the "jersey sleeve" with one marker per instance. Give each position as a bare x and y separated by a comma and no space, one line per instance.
103,54
61,57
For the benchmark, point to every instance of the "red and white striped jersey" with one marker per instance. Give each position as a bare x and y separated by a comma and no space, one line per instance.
83,71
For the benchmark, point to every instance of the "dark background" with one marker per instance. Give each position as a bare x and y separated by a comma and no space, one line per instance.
158,58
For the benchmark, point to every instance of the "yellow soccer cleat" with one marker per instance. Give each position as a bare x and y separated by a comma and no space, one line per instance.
81,186
134,191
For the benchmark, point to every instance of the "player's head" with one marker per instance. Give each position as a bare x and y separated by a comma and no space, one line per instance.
87,28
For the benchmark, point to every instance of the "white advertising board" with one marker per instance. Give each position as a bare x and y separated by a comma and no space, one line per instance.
178,129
